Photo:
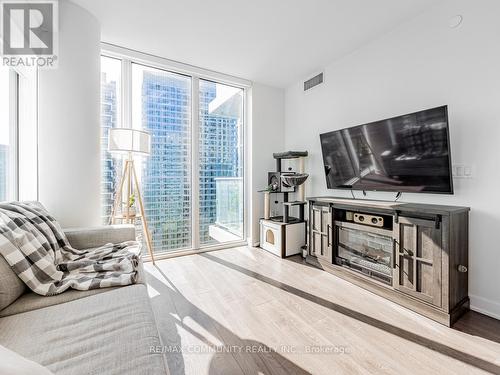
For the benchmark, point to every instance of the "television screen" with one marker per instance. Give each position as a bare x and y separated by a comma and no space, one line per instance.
409,153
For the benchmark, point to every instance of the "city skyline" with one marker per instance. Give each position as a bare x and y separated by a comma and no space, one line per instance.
166,173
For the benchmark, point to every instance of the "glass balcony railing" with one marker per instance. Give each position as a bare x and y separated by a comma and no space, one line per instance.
229,209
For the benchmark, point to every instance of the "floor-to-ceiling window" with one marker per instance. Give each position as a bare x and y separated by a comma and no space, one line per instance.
18,134
193,180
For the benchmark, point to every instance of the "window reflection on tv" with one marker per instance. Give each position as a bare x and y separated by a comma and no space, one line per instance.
409,153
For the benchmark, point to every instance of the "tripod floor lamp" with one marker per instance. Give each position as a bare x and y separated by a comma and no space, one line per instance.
130,141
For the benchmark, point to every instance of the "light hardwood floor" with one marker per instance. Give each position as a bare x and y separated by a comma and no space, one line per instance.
245,311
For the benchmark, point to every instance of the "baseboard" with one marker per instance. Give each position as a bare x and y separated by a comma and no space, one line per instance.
485,306
252,243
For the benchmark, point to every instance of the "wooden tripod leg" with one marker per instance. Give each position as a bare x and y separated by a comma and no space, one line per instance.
119,193
143,214
129,191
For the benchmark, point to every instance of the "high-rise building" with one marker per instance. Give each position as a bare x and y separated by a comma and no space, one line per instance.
110,167
166,174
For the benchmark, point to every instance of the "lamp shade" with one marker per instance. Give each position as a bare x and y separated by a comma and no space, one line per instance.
123,140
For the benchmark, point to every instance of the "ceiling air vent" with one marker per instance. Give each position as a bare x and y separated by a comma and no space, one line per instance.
314,81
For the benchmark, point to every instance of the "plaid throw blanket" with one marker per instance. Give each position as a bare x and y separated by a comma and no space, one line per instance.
36,248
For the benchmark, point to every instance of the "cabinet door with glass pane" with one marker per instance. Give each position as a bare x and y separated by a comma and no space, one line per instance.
321,232
418,251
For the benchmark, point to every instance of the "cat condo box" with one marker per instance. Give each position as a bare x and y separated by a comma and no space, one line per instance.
282,239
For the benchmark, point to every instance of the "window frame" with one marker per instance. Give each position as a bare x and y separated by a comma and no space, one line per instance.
12,166
23,182
129,57
26,115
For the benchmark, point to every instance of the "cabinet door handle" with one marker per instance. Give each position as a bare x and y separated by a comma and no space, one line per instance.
409,252
328,228
405,251
394,252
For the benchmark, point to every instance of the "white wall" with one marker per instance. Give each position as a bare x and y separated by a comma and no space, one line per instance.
69,155
423,64
266,136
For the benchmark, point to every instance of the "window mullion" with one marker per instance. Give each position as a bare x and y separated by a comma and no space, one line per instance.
247,192
13,184
195,162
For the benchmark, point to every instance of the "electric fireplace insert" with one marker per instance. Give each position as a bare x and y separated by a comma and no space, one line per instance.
367,251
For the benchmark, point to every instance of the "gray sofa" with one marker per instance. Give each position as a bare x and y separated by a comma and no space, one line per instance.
101,331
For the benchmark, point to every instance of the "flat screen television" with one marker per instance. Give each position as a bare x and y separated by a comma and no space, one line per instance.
409,153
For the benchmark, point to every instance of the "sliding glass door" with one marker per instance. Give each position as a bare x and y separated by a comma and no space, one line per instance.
192,181
220,162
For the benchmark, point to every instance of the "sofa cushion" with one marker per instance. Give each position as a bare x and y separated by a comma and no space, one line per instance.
107,333
11,286
32,301
15,364
91,237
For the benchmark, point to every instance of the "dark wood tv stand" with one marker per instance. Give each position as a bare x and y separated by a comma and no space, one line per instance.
417,258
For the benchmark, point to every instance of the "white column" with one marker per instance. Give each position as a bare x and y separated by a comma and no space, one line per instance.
69,122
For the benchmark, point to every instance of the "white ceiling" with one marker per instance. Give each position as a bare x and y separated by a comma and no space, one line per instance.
276,42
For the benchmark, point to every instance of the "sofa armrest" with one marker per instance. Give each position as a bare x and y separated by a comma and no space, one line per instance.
85,238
